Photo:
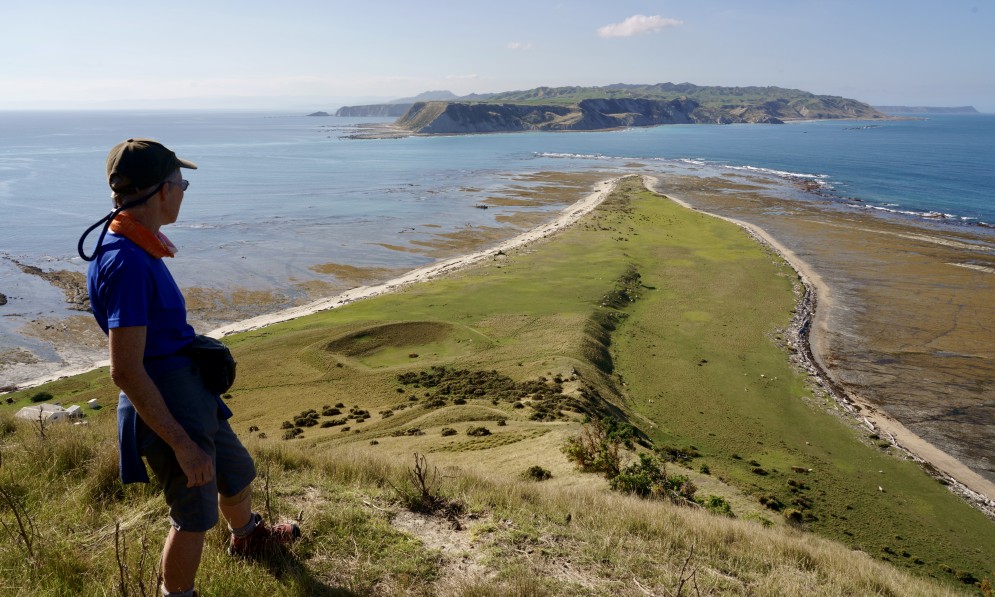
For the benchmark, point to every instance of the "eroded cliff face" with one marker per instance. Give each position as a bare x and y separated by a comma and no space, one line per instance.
456,117
433,118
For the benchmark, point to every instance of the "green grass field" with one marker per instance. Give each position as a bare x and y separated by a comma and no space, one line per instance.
645,310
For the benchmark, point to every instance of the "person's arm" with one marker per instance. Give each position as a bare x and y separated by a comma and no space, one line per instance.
127,350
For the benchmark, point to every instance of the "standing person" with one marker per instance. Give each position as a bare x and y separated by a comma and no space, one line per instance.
165,412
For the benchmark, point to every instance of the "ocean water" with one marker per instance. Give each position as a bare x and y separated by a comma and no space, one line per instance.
276,194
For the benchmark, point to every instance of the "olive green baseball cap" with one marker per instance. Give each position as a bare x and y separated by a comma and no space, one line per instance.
138,164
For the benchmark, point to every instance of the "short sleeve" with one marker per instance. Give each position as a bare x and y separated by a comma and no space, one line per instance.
126,293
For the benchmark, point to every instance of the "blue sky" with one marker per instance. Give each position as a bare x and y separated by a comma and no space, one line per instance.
304,54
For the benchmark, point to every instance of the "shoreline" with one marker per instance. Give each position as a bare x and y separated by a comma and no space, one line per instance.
808,339
807,335
566,217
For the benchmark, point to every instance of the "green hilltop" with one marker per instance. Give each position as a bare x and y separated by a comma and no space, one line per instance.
709,96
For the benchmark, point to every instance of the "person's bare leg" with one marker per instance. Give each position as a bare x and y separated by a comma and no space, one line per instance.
237,510
180,560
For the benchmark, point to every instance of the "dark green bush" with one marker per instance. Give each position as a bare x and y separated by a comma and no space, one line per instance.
536,473
648,478
718,505
308,418
41,397
596,449
772,502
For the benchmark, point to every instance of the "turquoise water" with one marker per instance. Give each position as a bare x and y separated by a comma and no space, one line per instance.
278,193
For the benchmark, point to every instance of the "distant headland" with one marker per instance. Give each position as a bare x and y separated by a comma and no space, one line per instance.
926,110
609,107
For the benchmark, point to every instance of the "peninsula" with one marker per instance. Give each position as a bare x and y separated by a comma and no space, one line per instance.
614,106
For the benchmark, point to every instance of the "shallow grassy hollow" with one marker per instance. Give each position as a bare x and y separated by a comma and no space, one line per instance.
707,293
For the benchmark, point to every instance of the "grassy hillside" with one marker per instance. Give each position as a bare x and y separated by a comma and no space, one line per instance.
714,96
645,311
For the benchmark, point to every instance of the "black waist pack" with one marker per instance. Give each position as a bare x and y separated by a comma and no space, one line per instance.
214,360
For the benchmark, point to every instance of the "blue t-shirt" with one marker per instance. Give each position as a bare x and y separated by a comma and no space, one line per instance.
128,287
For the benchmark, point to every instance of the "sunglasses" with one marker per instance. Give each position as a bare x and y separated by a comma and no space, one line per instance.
183,184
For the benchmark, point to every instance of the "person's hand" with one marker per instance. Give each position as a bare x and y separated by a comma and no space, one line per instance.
197,465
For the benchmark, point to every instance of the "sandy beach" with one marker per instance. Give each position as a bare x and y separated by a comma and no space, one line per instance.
825,357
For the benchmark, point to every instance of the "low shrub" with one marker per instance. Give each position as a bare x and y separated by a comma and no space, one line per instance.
675,454
772,502
41,397
648,478
478,431
717,504
597,449
536,473
308,418
410,431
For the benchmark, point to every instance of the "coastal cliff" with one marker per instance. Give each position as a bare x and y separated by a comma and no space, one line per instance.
618,106
593,114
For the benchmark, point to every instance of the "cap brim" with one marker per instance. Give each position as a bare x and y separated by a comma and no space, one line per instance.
186,164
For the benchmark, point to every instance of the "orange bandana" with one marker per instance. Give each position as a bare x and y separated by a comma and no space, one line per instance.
154,243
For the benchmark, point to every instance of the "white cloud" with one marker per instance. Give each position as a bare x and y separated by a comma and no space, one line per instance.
518,45
637,25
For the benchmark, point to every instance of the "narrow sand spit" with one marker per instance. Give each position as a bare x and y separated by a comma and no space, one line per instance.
566,218
812,318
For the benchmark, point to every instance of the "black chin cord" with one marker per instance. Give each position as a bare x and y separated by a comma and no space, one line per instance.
106,221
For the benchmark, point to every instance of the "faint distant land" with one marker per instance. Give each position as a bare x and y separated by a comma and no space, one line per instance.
609,107
926,110
319,114
395,108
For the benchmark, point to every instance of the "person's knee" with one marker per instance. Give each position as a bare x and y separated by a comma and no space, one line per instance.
238,498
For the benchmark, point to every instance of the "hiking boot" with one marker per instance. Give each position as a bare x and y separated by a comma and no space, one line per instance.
264,538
